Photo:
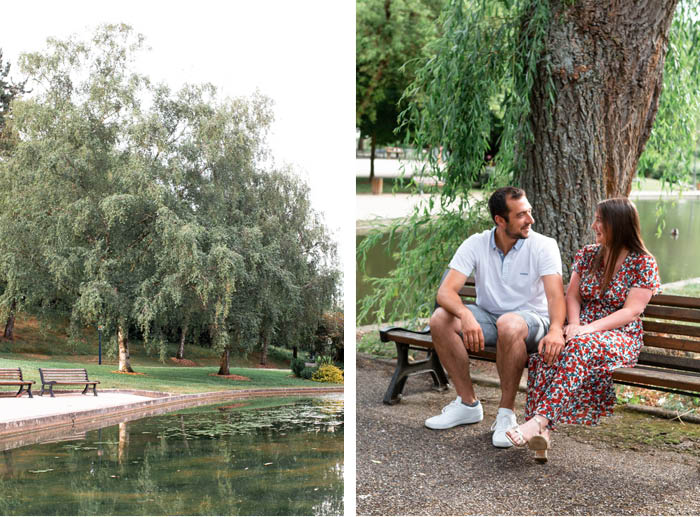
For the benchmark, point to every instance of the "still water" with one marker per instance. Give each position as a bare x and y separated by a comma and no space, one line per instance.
677,258
258,457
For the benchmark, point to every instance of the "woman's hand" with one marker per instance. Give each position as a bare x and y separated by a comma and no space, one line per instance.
576,330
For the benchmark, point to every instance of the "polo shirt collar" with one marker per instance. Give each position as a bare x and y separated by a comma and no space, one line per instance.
518,244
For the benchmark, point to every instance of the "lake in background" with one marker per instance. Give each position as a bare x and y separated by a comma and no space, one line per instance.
678,259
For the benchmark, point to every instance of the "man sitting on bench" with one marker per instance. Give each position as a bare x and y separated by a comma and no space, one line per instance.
519,290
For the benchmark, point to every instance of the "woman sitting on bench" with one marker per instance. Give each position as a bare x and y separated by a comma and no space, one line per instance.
611,284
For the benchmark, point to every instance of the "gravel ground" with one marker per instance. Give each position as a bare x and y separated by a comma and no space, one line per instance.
405,468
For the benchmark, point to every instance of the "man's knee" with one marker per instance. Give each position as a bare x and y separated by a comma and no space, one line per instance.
512,328
441,320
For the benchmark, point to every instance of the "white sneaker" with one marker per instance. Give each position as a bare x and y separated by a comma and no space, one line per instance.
456,413
504,421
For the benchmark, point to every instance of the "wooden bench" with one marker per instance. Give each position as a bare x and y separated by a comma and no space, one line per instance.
52,376
13,377
669,360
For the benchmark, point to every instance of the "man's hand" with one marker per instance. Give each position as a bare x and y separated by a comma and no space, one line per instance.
551,345
472,334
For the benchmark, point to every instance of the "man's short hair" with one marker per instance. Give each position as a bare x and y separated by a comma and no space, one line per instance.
497,201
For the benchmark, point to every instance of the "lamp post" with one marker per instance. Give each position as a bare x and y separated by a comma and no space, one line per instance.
99,343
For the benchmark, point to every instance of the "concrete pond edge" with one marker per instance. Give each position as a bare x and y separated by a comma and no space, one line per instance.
18,433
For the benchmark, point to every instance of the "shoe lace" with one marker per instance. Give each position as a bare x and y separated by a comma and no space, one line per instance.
452,404
498,419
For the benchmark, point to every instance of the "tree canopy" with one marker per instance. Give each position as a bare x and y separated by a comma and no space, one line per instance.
587,93
128,205
390,39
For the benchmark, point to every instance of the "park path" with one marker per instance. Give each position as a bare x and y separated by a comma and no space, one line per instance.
405,468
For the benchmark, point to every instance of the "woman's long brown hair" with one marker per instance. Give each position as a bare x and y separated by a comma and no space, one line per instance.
621,222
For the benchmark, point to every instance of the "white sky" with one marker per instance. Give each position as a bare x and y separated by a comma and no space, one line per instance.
299,53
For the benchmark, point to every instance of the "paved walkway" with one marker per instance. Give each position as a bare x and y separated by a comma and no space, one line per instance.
371,209
13,409
625,466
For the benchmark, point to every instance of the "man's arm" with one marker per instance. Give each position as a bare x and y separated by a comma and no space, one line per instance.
551,345
448,298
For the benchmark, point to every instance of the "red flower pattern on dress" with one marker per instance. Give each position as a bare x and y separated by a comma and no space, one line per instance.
577,388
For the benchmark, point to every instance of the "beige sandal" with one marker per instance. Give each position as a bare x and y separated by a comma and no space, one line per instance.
539,443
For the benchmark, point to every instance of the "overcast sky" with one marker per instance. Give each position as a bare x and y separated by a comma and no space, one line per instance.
299,53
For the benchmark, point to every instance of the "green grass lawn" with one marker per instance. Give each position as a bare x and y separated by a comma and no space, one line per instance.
174,379
35,347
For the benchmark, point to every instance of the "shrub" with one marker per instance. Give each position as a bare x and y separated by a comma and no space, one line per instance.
328,373
297,366
308,372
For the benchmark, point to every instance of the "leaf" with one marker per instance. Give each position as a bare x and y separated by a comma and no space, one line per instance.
40,471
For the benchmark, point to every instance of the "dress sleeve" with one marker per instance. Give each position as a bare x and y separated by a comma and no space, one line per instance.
646,274
582,260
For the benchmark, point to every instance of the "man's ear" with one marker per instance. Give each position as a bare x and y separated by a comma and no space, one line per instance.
500,221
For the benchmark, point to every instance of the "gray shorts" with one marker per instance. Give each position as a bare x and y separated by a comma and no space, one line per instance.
537,326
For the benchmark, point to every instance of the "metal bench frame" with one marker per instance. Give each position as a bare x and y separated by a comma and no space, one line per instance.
52,376
13,377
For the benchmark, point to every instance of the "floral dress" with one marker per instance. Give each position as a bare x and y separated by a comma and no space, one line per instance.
577,388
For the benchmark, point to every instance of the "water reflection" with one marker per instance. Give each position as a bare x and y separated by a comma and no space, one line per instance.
271,458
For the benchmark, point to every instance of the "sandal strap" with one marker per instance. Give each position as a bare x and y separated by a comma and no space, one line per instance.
539,423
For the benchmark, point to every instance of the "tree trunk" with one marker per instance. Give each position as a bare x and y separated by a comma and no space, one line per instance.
263,351
223,364
294,352
123,339
10,325
372,151
183,334
606,65
123,447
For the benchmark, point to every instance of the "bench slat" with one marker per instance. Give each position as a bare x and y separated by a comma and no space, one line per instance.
655,377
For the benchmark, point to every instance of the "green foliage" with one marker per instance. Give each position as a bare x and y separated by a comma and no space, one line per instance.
308,372
297,366
479,76
389,41
328,373
128,205
674,138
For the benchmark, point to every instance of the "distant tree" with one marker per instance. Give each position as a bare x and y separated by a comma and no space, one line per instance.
391,35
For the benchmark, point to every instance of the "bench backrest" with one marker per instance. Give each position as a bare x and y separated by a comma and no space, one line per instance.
11,374
671,330
63,374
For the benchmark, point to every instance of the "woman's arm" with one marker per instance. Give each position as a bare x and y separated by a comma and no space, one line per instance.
573,307
637,300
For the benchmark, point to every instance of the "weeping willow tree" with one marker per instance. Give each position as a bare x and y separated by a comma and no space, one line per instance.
587,92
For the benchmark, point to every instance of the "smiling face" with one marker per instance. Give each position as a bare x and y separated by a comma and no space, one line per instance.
601,234
519,221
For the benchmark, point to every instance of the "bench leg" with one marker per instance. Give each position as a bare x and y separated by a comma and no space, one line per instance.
440,382
29,390
94,389
86,388
404,368
51,390
21,389
42,390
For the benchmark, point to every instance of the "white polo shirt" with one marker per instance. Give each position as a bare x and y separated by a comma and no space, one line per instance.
512,282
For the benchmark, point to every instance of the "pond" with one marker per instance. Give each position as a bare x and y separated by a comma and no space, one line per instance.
257,457
677,257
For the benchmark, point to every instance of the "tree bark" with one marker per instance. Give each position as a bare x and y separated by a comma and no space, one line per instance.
223,364
373,149
606,62
183,334
10,324
263,350
294,352
123,339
